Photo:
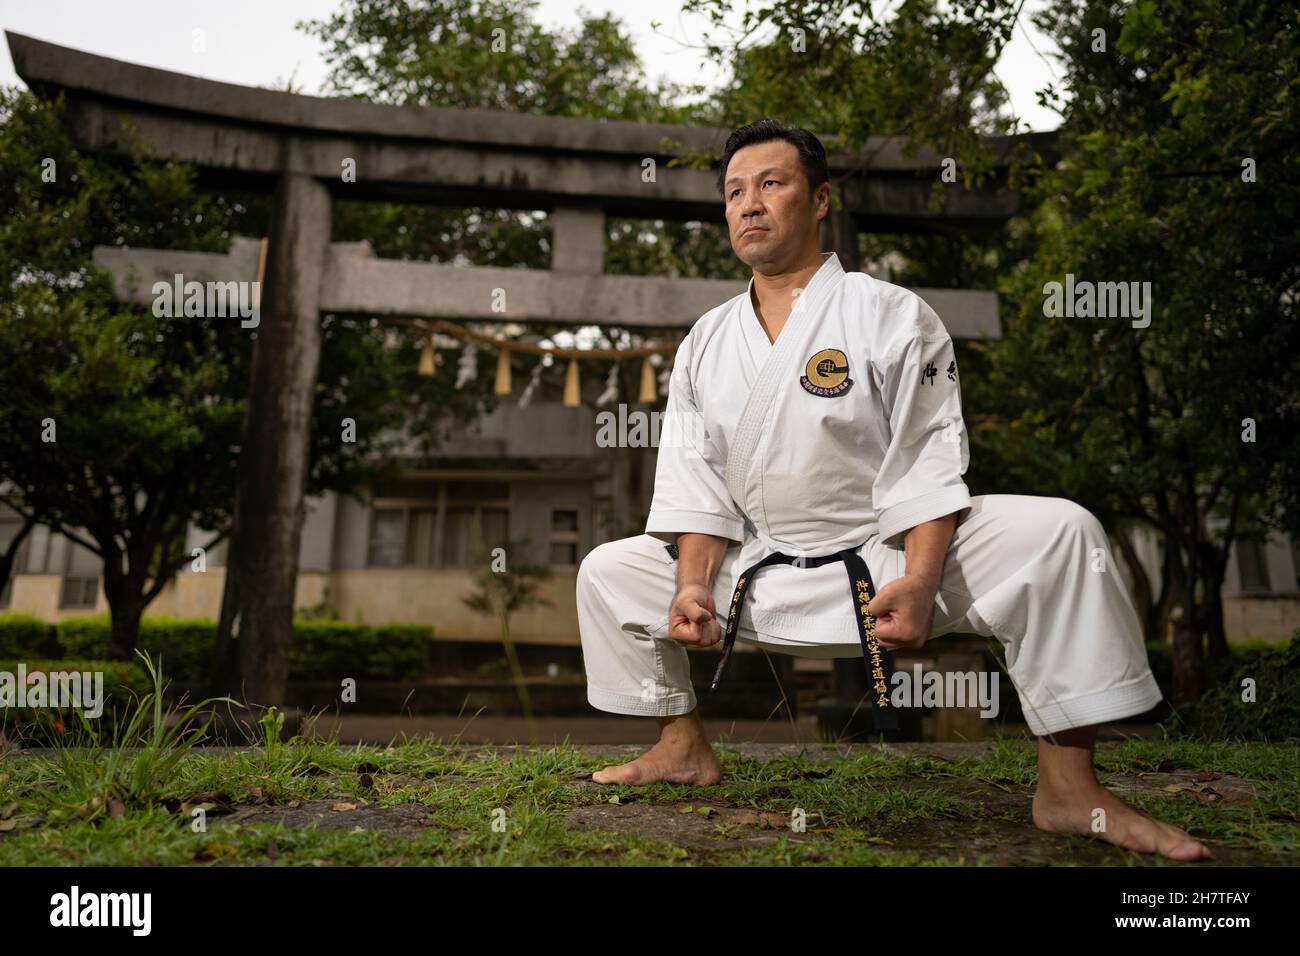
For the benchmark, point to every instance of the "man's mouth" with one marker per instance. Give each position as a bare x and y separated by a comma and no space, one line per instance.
750,229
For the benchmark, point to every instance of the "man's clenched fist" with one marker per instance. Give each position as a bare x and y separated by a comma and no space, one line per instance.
691,617
904,612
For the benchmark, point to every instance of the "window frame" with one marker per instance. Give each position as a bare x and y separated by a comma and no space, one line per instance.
573,537
438,501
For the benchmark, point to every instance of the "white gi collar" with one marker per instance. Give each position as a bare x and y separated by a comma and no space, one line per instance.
759,344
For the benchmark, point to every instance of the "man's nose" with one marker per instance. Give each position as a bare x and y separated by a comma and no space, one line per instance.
751,205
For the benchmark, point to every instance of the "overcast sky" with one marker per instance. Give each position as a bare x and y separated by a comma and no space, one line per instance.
254,43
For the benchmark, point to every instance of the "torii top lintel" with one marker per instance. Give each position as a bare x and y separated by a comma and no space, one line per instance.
461,156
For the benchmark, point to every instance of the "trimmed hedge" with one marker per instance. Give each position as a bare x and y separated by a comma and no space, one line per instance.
22,635
1161,658
1274,715
124,684
183,644
326,650
322,649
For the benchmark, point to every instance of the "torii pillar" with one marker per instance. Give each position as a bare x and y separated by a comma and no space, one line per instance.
253,642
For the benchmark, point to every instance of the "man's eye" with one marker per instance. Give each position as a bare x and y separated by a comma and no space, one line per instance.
769,181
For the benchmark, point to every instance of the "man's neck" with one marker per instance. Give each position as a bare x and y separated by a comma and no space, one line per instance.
774,294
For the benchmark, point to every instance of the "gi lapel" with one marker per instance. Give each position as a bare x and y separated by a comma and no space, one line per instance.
749,429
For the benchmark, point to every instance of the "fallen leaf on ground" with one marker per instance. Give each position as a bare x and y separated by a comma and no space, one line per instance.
215,850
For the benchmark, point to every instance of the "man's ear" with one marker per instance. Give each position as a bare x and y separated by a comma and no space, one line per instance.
822,199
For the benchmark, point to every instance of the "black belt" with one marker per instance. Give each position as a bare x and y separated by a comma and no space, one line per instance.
879,661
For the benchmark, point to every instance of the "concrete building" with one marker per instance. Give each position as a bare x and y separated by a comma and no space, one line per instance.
533,476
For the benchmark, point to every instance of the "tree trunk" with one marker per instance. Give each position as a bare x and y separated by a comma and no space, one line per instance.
225,662
1188,661
11,553
123,591
516,671
1215,633
1213,568
125,630
1168,591
1148,611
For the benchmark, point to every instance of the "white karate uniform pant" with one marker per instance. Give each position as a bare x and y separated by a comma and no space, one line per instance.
1020,568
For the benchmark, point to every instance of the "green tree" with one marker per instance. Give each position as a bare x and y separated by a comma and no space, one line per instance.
119,427
502,590
1170,108
924,74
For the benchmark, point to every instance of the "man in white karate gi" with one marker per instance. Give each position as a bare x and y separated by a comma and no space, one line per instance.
818,416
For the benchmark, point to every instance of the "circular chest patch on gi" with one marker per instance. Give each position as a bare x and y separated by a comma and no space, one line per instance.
827,374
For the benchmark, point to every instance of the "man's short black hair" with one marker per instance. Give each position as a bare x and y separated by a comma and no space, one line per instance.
812,154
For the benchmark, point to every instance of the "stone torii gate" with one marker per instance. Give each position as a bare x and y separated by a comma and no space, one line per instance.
579,171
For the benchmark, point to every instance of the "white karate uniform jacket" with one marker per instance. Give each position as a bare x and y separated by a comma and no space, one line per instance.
846,433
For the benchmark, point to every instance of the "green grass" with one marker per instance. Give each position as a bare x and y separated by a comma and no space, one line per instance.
128,799
60,816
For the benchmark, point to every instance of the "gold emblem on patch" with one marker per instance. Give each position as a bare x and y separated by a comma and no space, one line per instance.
827,374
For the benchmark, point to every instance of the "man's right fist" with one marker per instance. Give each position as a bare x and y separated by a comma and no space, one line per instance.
691,618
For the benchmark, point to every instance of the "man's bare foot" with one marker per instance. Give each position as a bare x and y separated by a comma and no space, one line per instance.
682,755
1073,810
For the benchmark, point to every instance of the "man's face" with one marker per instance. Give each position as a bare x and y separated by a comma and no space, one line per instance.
770,215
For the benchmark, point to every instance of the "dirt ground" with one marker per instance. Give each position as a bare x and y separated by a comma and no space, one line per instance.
987,822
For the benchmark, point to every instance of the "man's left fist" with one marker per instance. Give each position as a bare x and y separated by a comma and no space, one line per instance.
904,612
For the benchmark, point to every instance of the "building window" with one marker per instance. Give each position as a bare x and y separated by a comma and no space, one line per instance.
387,538
80,577
445,529
79,592
564,537
1252,566
46,552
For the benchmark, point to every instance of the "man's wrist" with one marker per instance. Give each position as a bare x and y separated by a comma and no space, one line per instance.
929,581
926,547
698,558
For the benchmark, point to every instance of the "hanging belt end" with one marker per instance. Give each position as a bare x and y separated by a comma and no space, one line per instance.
717,674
